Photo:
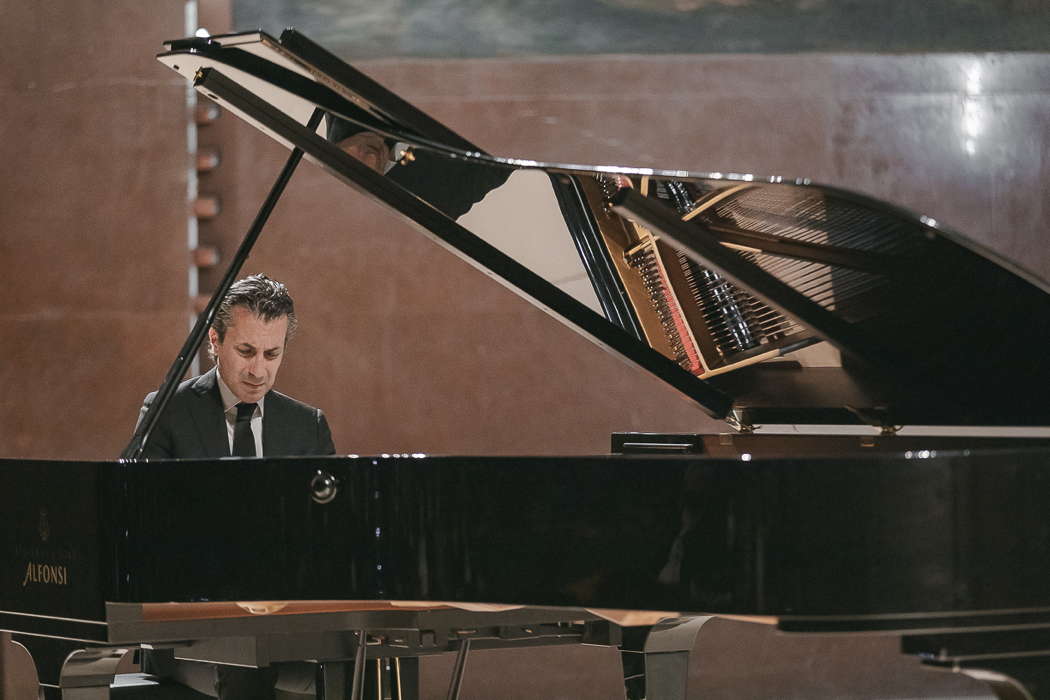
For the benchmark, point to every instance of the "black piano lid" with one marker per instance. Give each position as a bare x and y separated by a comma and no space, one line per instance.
934,329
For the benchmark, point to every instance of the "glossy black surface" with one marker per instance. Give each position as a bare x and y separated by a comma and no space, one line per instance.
246,530
852,535
600,269
58,540
935,329
924,532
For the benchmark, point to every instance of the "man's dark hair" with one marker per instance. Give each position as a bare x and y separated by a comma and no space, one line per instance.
266,298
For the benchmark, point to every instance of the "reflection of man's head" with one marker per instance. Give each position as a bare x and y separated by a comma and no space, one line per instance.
366,146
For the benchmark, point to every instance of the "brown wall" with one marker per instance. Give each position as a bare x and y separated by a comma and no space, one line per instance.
92,221
406,347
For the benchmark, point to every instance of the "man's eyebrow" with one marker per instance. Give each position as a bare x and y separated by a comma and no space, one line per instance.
246,344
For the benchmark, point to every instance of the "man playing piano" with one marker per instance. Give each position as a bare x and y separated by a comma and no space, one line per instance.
232,410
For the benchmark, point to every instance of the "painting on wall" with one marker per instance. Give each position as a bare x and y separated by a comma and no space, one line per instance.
359,29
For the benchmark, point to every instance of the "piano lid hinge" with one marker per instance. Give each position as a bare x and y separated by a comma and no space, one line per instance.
402,153
737,421
878,416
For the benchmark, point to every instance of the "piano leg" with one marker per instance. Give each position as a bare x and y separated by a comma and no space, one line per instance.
18,678
656,662
88,673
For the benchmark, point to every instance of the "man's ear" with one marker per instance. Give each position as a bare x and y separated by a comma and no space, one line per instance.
213,337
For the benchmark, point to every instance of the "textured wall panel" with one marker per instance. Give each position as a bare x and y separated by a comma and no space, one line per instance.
477,28
92,222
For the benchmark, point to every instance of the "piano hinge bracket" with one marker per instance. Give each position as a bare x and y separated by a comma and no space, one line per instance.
736,421
889,430
402,154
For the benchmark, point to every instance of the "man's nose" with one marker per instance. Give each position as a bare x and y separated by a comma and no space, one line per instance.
253,366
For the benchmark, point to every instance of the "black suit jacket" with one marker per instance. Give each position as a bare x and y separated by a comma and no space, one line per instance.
193,425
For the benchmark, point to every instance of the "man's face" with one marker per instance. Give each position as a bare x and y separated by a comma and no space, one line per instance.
251,354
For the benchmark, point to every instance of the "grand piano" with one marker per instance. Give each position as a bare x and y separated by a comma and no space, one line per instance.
881,470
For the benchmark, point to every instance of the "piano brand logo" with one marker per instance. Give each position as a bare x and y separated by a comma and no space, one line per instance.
54,574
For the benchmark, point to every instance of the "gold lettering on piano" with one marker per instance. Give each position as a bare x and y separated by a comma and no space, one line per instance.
51,574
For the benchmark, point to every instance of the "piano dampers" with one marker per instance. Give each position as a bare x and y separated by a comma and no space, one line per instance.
692,314
821,221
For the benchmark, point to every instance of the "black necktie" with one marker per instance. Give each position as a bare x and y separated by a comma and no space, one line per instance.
243,437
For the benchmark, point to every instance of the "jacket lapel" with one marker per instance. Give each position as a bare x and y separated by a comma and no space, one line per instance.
273,421
209,419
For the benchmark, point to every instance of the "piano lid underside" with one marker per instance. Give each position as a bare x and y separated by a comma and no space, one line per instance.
932,329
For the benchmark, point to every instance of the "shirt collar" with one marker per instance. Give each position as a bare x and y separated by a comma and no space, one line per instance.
229,399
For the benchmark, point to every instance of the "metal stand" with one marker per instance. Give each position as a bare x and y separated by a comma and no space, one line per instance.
663,673
457,670
88,673
392,679
18,678
357,684
406,673
1007,679
1005,687
384,678
1013,664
